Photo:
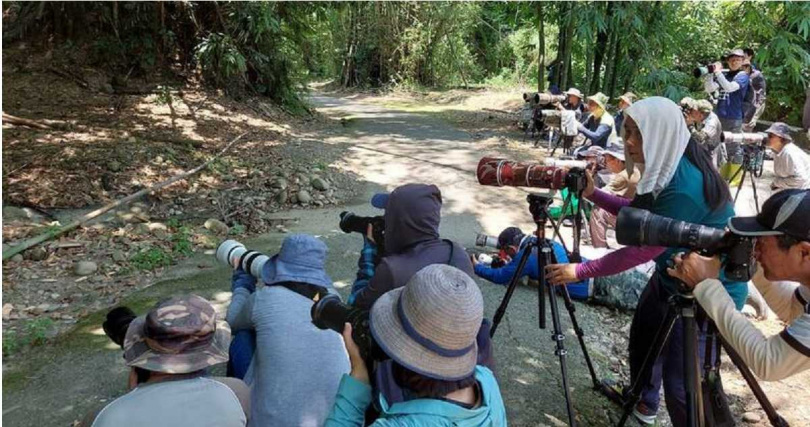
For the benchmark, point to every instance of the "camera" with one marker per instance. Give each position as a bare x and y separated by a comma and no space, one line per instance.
537,98
702,70
331,313
353,223
117,323
484,240
565,163
232,253
638,227
745,138
501,172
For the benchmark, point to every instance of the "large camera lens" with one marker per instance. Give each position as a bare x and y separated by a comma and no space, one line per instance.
484,240
639,227
117,323
232,253
744,137
331,313
501,172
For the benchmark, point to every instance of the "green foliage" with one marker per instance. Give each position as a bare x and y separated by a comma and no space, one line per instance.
11,342
237,229
34,333
220,59
164,96
182,241
151,259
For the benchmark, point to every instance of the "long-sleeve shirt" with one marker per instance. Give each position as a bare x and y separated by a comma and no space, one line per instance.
365,268
709,132
600,131
731,93
792,168
775,357
502,275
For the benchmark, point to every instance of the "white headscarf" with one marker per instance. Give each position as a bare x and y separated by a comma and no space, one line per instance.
665,135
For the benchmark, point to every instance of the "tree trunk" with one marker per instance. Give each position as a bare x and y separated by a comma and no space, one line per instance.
586,87
599,54
565,64
541,50
614,66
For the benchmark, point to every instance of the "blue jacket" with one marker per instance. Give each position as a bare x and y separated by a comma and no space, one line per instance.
730,105
354,397
502,275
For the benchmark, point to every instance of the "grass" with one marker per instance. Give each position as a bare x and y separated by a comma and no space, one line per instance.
151,259
34,333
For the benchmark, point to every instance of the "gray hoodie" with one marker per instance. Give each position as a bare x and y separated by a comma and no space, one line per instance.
412,241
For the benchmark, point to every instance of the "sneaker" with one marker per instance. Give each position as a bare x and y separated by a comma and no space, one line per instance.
644,414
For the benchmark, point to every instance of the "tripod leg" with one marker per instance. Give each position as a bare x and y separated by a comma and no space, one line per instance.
653,354
569,305
499,313
739,187
694,407
754,187
557,335
773,416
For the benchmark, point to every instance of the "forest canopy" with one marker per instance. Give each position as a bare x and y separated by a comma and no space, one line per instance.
274,49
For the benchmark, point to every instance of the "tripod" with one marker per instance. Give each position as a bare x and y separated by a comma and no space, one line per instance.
750,168
538,206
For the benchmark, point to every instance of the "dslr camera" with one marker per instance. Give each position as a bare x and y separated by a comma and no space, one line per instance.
702,70
353,223
331,313
639,227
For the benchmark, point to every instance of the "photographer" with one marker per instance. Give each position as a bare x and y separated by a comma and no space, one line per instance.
169,351
783,252
678,181
287,345
428,328
625,101
513,244
573,102
706,128
622,184
754,101
791,165
599,129
731,87
412,216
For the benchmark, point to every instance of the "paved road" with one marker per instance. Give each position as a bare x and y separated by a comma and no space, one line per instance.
385,148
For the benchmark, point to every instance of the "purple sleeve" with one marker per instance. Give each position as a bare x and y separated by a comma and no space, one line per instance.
609,202
618,261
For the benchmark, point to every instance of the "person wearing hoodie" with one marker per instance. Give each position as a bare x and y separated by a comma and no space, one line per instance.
678,181
412,216
428,328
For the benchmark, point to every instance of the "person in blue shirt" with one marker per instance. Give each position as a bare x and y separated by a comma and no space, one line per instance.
729,88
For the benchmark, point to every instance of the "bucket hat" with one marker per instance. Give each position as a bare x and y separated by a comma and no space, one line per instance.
781,130
599,98
629,97
179,335
704,106
301,259
574,91
615,150
429,326
735,52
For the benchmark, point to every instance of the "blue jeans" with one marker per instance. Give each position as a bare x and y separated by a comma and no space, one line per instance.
669,367
243,345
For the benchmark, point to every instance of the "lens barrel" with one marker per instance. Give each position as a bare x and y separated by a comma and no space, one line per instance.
231,252
501,172
639,227
483,240
744,137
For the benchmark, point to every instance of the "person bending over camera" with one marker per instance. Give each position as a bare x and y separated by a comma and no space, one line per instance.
678,181
573,102
428,328
412,216
731,87
791,165
622,184
783,252
293,367
599,129
625,101
169,351
705,127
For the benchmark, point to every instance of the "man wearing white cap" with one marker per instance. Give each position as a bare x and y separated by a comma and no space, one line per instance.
791,164
573,102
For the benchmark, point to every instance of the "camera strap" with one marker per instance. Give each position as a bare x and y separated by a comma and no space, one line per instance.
307,290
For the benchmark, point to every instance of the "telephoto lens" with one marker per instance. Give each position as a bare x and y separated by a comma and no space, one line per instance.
565,163
639,227
531,97
501,172
117,323
484,240
353,223
331,313
551,117
547,98
744,137
233,253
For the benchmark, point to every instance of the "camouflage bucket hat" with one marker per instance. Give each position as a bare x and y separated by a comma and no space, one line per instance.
179,335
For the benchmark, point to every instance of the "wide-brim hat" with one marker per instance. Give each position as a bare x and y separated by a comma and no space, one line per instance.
301,259
781,130
599,99
735,52
615,150
629,97
430,325
575,92
180,335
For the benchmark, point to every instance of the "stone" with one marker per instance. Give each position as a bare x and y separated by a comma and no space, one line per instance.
113,166
159,159
320,184
13,213
7,309
304,197
280,183
216,226
17,258
119,256
751,417
37,253
85,268
132,140
281,197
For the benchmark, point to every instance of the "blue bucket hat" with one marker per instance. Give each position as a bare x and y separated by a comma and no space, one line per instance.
301,259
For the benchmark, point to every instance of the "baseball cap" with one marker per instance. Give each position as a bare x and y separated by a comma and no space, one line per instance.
510,236
785,212
735,52
616,150
781,130
380,200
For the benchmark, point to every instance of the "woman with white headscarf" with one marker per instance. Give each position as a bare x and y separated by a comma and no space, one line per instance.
678,181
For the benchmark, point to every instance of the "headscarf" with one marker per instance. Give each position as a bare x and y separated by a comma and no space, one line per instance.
665,135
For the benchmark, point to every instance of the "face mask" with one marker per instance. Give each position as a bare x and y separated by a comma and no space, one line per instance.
597,112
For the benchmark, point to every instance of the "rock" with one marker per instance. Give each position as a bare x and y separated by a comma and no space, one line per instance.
7,308
37,253
85,268
751,417
318,203
319,184
132,140
217,226
159,159
304,197
13,213
113,166
294,199
17,258
280,183
281,197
